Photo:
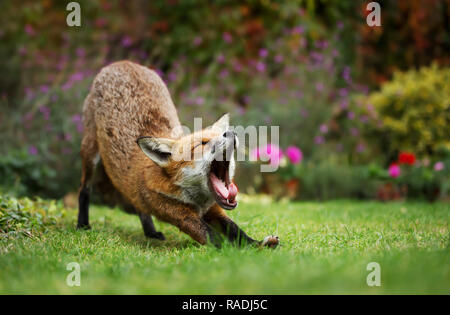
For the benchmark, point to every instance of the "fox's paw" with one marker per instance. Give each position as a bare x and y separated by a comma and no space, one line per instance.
271,241
157,235
84,227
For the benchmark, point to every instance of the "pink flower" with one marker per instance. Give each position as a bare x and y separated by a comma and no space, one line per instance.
126,41
199,101
221,58
439,166
260,66
29,30
351,115
394,170
323,128
270,152
227,37
320,87
278,58
198,40
263,53
32,150
319,140
294,154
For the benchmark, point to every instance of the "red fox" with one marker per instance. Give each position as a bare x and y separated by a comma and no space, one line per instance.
131,133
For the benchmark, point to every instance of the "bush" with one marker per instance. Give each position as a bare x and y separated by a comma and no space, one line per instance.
27,218
414,109
331,179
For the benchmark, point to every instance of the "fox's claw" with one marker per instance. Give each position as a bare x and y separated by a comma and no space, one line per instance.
271,241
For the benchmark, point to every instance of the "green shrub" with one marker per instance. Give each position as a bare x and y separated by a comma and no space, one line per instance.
330,180
27,218
415,110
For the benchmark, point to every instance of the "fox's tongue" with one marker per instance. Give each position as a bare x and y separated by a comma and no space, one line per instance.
219,186
232,192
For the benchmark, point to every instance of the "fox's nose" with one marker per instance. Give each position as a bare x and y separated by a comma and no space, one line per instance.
229,134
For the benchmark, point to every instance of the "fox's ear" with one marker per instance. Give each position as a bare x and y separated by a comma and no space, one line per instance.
158,150
223,123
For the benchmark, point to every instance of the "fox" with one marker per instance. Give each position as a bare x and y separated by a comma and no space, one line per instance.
130,153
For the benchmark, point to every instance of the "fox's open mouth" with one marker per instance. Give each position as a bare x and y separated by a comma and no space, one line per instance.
223,189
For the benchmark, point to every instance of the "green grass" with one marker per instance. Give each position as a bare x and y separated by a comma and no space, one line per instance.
325,249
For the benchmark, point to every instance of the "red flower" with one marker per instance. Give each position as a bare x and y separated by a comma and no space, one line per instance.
406,158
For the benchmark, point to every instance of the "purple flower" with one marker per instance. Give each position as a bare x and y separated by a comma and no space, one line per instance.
439,166
263,53
67,85
343,92
304,112
197,41
29,30
172,76
67,136
320,87
32,150
298,94
227,37
323,128
294,154
343,104
45,111
241,110
78,76
364,119
340,25
220,58
29,93
199,101
351,115
278,58
126,41
224,73
360,148
319,140
260,66
76,118
66,151
237,67
22,51
346,74
298,30
80,52
44,88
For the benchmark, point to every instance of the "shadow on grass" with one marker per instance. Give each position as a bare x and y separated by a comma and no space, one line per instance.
137,237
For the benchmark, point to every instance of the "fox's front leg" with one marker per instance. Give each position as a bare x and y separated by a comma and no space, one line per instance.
217,216
192,224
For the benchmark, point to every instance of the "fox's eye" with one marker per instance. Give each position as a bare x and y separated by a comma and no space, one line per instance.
205,142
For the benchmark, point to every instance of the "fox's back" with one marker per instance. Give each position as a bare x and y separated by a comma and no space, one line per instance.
127,101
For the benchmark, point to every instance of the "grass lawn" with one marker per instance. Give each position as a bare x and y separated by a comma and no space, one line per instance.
325,249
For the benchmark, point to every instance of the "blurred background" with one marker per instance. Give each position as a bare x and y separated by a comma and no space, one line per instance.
364,112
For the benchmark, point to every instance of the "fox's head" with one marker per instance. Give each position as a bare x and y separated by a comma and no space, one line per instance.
201,165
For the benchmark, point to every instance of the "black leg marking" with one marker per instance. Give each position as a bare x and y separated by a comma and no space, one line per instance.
83,209
234,232
149,227
214,237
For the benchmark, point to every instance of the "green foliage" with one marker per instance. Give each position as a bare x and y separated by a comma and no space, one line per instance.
27,218
330,179
415,110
